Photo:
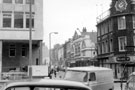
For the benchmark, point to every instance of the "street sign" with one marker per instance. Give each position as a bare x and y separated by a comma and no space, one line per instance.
123,59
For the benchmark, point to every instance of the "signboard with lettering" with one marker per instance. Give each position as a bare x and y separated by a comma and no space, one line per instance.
123,59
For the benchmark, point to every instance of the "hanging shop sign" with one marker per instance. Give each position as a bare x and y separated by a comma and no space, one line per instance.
123,58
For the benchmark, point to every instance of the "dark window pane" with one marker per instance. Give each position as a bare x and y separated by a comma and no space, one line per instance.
27,23
18,22
19,1
7,1
12,50
28,1
23,50
6,22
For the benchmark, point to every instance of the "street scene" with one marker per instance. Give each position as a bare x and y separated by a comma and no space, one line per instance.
67,44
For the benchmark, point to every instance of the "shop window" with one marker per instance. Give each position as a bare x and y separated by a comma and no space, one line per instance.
12,50
18,20
122,43
19,1
7,1
121,22
6,20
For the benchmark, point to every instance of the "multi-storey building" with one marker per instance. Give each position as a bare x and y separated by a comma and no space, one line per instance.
116,37
14,33
61,61
81,49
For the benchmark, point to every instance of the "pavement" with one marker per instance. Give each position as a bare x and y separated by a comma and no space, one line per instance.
117,86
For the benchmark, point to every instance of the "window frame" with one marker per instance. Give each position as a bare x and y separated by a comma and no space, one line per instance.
32,19
133,19
8,2
28,1
121,22
12,47
19,13
18,2
90,74
123,44
6,17
23,49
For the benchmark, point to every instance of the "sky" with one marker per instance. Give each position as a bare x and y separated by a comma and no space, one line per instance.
65,16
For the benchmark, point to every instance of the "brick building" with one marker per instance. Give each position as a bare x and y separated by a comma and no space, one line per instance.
116,37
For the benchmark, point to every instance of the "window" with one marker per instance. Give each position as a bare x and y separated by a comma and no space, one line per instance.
18,20
110,25
7,1
111,45
106,46
133,21
12,50
121,22
134,41
99,49
19,1
122,43
27,21
98,31
28,1
7,20
83,53
23,50
92,76
103,47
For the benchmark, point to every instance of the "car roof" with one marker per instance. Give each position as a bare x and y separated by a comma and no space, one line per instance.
48,82
89,68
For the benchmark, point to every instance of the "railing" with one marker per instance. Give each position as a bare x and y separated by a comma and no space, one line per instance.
103,16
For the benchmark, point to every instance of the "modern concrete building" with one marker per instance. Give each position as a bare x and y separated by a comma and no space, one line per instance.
14,33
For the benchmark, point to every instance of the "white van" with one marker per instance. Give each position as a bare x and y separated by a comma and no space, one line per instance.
130,84
98,78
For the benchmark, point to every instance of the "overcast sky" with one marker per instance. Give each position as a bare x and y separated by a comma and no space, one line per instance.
65,16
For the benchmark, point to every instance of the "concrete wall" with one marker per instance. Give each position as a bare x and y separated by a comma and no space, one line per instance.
18,60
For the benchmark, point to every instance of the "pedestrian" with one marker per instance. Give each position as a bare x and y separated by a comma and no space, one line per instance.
55,73
50,74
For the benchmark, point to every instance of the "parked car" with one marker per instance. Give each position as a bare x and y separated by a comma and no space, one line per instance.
130,84
98,78
45,84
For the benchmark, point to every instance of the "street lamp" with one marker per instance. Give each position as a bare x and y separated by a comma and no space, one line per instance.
30,40
50,45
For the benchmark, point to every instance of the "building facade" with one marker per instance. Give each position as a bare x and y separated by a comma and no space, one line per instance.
116,37
14,34
81,49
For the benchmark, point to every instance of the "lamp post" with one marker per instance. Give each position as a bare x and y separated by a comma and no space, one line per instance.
50,45
30,40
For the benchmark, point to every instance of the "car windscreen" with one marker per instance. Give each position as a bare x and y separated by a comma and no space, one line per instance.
45,88
73,75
